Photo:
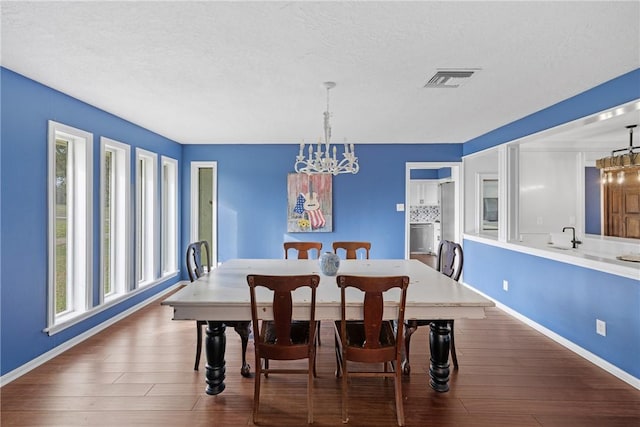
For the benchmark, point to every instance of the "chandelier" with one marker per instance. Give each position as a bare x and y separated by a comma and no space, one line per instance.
324,159
620,161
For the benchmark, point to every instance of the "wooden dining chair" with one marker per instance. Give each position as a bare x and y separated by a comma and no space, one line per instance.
352,248
372,340
277,339
449,262
196,269
303,249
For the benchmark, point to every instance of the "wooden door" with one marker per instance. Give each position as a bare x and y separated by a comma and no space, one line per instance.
622,207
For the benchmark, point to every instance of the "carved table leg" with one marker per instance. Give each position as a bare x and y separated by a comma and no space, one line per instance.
215,344
244,330
439,341
410,328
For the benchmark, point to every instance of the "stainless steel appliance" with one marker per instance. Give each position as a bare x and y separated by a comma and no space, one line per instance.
421,238
447,210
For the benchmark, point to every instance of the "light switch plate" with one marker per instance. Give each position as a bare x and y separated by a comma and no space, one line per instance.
400,207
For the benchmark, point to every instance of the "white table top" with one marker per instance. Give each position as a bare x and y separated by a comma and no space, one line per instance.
223,294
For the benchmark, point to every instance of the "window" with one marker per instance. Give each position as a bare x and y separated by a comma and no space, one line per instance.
169,215
70,223
146,235
489,202
115,212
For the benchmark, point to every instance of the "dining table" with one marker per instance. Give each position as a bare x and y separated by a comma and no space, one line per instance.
223,296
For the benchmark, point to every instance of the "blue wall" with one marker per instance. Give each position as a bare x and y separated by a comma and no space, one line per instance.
564,298
615,92
26,108
252,216
252,197
430,173
252,191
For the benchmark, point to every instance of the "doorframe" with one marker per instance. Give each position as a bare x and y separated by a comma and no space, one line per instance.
456,178
195,191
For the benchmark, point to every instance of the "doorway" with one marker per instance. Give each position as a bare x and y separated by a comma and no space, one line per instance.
453,195
204,205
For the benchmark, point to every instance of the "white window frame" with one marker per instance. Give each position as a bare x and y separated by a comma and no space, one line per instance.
79,224
479,211
169,216
146,217
120,246
195,191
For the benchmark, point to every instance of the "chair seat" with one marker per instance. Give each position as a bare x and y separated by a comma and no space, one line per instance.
356,338
356,350
371,340
283,338
299,332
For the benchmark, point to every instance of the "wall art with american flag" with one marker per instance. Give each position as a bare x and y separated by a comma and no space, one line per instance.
309,203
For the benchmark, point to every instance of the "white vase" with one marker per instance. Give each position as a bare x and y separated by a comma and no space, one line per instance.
329,263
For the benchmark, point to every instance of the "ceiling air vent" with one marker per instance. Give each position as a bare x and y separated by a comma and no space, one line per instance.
449,78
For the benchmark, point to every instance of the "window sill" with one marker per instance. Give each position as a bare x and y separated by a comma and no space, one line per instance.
71,319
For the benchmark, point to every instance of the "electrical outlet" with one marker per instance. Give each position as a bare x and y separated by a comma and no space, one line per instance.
505,285
601,327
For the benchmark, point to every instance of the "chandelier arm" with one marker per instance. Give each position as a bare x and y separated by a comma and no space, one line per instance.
326,161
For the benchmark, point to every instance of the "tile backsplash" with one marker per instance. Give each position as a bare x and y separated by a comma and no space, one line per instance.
430,213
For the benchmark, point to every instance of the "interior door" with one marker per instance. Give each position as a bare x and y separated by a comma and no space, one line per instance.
622,209
449,172
204,205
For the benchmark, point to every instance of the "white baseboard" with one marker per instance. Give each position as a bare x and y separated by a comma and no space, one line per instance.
596,360
45,357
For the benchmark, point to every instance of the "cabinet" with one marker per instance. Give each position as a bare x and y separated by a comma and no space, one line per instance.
423,192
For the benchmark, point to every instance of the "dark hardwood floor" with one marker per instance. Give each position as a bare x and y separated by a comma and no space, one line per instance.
140,372
428,259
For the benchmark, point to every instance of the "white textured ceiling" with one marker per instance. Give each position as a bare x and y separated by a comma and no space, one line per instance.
250,72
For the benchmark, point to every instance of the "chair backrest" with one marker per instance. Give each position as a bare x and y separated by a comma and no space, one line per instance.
303,249
282,347
195,266
450,259
373,287
352,248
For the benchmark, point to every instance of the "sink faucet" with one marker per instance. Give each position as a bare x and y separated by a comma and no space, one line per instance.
573,239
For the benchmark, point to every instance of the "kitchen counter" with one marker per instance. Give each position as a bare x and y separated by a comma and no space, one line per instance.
589,255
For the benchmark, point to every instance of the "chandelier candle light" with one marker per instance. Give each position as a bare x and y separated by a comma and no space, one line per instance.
620,161
326,160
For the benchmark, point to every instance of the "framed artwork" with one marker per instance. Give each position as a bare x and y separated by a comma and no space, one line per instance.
309,203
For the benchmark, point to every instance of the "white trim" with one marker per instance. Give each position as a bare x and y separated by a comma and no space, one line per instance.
193,235
456,178
147,261
121,245
80,214
596,360
110,303
573,257
479,198
169,215
56,351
